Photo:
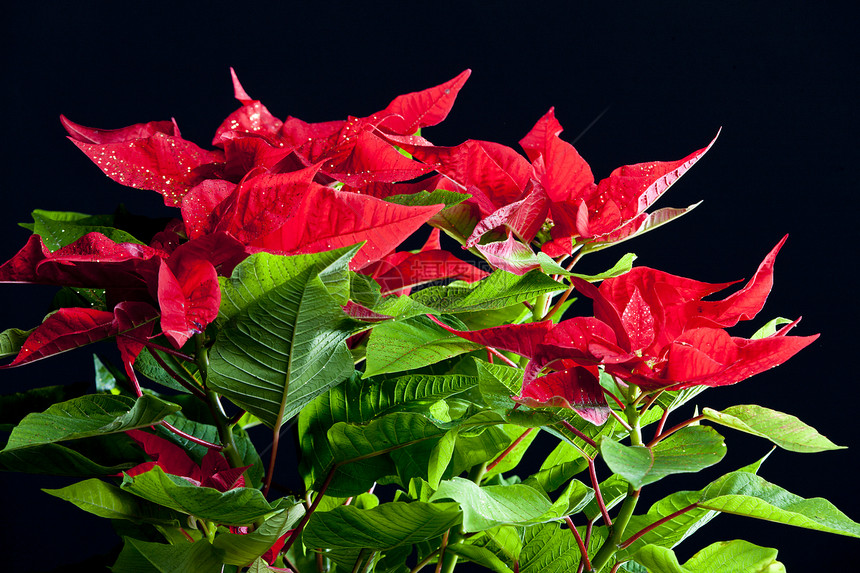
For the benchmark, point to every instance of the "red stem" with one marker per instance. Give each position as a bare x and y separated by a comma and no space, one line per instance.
297,531
632,539
674,429
582,550
504,358
509,449
191,438
173,374
271,472
592,473
579,434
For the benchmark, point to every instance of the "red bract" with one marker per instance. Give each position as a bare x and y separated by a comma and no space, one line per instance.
518,195
213,471
665,336
571,384
398,272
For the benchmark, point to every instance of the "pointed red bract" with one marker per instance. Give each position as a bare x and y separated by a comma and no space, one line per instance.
576,388
408,113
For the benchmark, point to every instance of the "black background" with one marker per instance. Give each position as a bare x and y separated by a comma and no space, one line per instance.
779,77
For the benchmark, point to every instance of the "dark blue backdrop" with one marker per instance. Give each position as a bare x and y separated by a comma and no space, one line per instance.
779,77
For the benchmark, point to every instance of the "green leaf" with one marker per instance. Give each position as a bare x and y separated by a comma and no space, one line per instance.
549,549
240,506
11,341
499,290
97,456
147,365
784,430
726,557
360,452
770,328
105,500
383,527
434,197
143,557
744,493
359,401
261,273
14,407
479,555
243,549
498,383
686,451
489,506
623,265
440,457
59,229
91,415
410,344
282,350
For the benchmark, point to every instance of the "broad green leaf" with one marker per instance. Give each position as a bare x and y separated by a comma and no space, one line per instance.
481,556
498,383
687,451
359,401
383,527
489,506
91,415
744,493
499,290
548,548
59,229
784,430
562,463
504,542
410,344
360,451
144,557
264,272
11,341
14,407
613,489
99,456
726,557
243,549
282,350
525,436
105,500
240,506
434,197
623,265
440,457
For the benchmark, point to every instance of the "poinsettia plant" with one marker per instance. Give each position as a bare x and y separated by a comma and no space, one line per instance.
290,292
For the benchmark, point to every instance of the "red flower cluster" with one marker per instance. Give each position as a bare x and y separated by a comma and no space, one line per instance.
650,329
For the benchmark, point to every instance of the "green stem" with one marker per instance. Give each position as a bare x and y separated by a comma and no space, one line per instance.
613,543
540,309
225,431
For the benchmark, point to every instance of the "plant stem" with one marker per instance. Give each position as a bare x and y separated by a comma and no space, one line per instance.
509,449
592,473
674,429
173,374
579,434
191,438
583,551
632,539
613,543
225,431
424,562
297,531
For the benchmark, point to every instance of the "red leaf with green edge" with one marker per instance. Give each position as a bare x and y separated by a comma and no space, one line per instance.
745,304
576,388
534,143
398,276
524,217
522,339
361,312
328,219
158,161
499,172
408,113
368,158
510,255
584,339
66,329
263,203
383,189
